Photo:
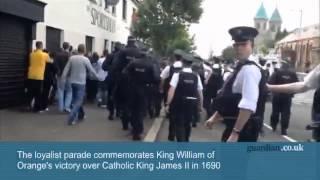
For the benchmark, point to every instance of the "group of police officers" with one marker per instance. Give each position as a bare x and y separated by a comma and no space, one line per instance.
136,85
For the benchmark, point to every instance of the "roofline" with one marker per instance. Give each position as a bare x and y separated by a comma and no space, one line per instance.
297,40
38,2
275,21
260,18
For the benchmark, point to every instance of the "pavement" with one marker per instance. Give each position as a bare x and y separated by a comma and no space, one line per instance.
18,125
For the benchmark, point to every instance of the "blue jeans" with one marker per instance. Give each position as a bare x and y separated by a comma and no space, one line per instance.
78,93
64,93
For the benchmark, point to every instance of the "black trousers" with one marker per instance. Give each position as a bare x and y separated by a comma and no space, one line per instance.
122,102
281,107
35,88
111,96
158,103
92,89
249,133
154,100
316,134
182,116
172,127
45,94
207,101
137,109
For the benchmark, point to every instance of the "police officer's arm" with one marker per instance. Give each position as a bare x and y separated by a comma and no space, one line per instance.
128,68
155,73
173,84
311,81
250,93
171,93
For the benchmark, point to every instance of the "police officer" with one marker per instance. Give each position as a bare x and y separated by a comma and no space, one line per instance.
141,72
240,101
126,55
281,103
166,76
214,84
154,95
198,67
108,65
311,81
184,99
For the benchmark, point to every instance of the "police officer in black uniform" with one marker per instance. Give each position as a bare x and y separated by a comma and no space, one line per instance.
184,99
154,95
108,65
281,103
141,73
198,67
240,102
126,55
214,84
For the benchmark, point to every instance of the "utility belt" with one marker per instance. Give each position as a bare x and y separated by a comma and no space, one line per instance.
181,103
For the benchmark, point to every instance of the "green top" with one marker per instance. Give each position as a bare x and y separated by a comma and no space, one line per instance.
276,16
261,14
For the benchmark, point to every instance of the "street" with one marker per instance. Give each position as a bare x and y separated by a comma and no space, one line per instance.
300,117
17,125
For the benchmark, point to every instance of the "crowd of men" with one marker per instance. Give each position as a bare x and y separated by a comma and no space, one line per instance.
131,82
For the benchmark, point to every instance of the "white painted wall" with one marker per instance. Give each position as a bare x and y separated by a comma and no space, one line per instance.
74,18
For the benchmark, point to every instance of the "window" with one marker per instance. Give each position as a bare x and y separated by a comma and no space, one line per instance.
106,6
112,45
106,44
53,39
89,43
114,10
93,1
124,9
273,29
257,25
